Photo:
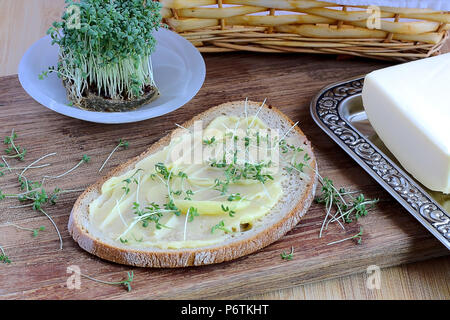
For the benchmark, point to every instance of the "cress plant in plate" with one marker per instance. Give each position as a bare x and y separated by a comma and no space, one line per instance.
105,47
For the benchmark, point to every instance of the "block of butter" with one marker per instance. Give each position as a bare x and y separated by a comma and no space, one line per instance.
408,105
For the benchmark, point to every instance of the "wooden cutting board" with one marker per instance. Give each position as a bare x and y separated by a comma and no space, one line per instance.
39,270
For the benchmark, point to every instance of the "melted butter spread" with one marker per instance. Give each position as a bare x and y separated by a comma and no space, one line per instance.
199,190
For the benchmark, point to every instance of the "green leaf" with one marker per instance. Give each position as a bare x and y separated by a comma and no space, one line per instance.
288,256
4,259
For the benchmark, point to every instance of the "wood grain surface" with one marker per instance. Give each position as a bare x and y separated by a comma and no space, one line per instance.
22,22
289,82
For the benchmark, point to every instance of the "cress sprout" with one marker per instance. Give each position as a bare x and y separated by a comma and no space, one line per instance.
105,48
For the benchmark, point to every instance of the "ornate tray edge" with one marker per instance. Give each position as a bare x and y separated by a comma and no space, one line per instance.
325,110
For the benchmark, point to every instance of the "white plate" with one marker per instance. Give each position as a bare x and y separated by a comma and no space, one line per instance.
178,67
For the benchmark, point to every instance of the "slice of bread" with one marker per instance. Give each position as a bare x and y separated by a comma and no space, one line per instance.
298,193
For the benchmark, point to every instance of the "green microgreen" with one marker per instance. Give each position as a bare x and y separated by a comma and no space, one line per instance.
227,209
189,194
234,197
192,212
287,256
171,206
221,185
220,226
84,159
177,192
299,166
130,179
283,146
126,283
209,142
247,141
3,257
13,150
108,47
234,172
37,199
122,144
182,175
34,232
306,157
162,170
341,205
151,213
34,196
357,236
293,152
28,185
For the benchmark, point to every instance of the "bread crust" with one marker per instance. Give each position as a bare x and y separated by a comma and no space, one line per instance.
172,258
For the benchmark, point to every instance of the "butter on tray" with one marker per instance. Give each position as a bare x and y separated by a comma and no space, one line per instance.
408,105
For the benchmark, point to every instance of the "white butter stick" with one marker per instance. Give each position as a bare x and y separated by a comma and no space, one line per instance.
408,105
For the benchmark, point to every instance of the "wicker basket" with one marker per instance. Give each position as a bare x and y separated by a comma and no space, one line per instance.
308,26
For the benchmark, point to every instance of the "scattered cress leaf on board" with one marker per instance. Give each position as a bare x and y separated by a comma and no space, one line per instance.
33,194
287,256
122,144
125,283
342,207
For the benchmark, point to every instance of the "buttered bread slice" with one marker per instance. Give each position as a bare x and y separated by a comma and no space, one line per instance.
228,182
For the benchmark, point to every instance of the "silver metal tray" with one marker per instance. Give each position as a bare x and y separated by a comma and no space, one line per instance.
338,110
